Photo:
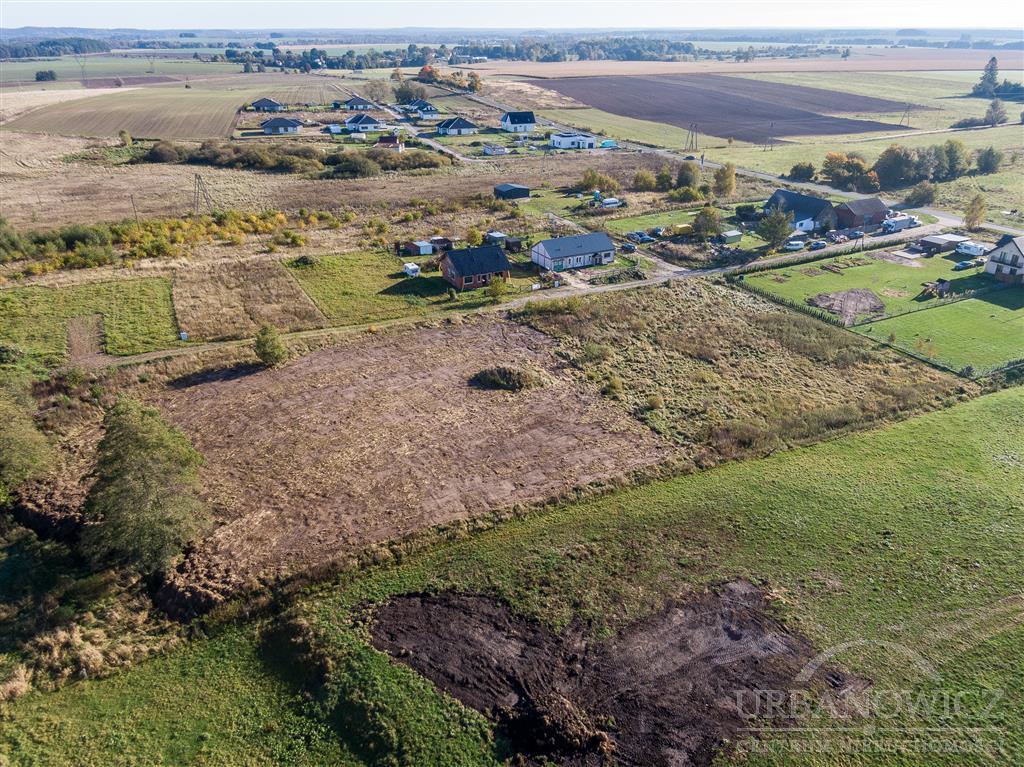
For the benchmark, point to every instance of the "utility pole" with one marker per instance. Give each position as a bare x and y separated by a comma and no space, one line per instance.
134,209
200,194
80,60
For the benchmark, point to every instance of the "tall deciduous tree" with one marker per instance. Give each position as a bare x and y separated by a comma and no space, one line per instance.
707,223
974,214
996,113
688,175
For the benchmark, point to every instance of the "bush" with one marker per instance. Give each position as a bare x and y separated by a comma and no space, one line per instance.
144,507
268,346
166,151
353,165
306,260
802,171
644,181
45,75
505,378
923,193
592,180
688,175
24,451
124,137
685,194
989,160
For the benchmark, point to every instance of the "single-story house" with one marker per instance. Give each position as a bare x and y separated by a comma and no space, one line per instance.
358,103
456,126
573,141
363,123
474,267
1006,261
267,105
518,122
415,105
511,191
493,150
731,236
869,211
426,110
941,243
809,213
572,252
390,142
281,125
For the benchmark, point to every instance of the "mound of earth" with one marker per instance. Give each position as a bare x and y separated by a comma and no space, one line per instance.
849,304
672,689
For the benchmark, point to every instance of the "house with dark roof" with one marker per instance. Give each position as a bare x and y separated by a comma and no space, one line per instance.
809,213
467,268
358,103
456,126
518,122
390,142
415,105
427,111
277,125
362,123
1006,261
267,105
869,211
573,252
511,191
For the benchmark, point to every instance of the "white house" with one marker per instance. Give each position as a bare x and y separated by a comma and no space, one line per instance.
362,123
281,125
358,103
573,141
426,111
456,126
573,252
518,122
493,150
1006,262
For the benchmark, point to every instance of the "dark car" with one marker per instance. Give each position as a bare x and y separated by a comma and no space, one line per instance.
856,234
628,247
690,157
961,265
818,245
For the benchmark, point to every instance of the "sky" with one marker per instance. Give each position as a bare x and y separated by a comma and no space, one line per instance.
529,14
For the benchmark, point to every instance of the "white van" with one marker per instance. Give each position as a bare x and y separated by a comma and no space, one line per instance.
970,248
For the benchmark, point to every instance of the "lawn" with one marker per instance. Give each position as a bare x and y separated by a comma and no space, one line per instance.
898,286
465,144
363,287
544,201
981,332
138,316
68,70
650,220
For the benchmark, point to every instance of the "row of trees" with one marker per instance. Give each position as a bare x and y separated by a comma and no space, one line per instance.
65,46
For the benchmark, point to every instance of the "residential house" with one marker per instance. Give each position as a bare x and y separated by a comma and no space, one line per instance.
276,125
1006,262
856,214
493,150
427,111
573,141
511,191
267,105
358,103
363,123
391,142
809,213
518,122
456,126
467,268
573,252
414,105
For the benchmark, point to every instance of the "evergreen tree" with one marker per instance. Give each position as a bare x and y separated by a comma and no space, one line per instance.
775,227
989,80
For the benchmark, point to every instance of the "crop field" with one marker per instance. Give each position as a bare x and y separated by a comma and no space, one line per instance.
347,441
627,128
765,377
137,316
896,283
983,332
100,69
232,300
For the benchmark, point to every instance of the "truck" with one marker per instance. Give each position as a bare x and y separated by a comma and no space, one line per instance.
899,223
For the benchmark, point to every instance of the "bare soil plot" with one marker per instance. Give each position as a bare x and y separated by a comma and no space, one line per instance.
732,107
849,304
674,688
233,299
381,437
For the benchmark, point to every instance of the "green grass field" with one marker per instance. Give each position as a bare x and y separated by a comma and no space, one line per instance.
982,332
627,128
68,70
897,285
137,316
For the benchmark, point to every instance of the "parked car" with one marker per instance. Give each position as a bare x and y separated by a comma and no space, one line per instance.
628,247
980,260
633,236
646,238
961,265
690,157
794,245
856,234
818,245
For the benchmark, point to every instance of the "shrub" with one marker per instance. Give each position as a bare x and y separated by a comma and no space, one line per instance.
614,388
802,171
644,181
166,151
353,165
592,180
268,346
505,378
306,260
24,451
688,175
655,402
923,193
989,160
45,75
685,194
124,137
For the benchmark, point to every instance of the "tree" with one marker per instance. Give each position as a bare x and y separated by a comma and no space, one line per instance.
396,75
989,80
725,180
476,83
989,160
802,171
474,236
496,288
974,215
996,113
592,180
923,193
24,451
45,75
688,175
644,181
663,181
408,90
268,346
958,159
378,90
775,227
427,74
707,223
144,507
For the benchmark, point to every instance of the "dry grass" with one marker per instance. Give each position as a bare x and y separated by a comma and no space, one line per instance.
14,103
233,299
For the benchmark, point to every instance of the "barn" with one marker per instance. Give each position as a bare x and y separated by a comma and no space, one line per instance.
869,211
511,191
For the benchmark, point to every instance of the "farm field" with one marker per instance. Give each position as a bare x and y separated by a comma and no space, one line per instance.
896,285
906,573
627,128
137,317
99,69
981,333
727,107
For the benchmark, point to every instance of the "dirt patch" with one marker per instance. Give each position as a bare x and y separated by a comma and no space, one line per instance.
85,342
381,437
673,689
734,107
849,304
897,258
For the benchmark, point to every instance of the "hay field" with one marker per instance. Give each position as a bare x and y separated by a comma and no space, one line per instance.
233,299
109,67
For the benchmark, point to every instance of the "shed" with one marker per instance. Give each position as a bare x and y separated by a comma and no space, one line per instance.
511,191
731,236
941,243
495,238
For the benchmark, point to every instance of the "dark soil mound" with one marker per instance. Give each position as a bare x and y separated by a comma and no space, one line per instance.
669,690
849,304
